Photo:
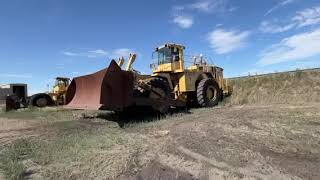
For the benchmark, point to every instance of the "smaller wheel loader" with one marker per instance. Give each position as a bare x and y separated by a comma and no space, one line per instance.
55,97
170,85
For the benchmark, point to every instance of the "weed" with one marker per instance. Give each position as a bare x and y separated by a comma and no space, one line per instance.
64,148
11,159
277,88
298,74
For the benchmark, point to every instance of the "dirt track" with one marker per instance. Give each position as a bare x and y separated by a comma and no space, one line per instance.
240,142
250,142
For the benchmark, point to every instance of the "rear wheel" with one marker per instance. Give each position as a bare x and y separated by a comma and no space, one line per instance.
12,102
208,93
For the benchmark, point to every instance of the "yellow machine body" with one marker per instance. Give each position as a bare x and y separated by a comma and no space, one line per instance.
184,80
59,90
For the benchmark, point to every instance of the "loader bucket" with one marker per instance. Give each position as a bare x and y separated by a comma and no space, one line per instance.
108,89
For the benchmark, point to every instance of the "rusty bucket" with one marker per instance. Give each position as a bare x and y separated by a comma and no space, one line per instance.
108,89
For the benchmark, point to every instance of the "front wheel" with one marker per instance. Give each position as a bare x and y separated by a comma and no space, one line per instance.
160,94
208,93
41,100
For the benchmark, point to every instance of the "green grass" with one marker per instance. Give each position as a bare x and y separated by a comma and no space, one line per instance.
52,114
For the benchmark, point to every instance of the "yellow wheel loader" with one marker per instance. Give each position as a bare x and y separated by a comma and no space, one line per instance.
171,84
56,97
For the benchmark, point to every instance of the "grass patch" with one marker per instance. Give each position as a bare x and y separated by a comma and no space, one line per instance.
2,109
11,160
52,152
298,74
283,88
51,114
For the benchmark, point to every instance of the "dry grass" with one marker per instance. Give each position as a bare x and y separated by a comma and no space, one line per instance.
285,88
41,158
12,159
2,108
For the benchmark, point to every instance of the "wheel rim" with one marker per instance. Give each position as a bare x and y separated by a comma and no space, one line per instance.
211,93
41,102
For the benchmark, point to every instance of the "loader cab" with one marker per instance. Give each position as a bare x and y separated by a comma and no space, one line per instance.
61,84
170,58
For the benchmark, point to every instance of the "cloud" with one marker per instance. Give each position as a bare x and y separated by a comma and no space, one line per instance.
279,5
68,53
60,65
178,8
95,53
270,27
297,47
181,13
183,21
307,17
98,53
9,75
232,9
223,41
208,6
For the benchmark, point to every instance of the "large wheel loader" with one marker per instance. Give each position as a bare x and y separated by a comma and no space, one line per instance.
170,85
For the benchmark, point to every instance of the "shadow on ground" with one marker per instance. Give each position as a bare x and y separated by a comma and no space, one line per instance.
138,115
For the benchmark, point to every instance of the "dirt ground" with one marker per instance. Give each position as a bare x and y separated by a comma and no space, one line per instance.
236,142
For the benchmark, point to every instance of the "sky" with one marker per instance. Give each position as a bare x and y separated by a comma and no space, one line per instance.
42,39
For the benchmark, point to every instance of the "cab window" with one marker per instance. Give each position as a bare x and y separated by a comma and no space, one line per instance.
164,56
60,83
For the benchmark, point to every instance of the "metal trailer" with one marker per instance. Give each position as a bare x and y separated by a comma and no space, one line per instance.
13,94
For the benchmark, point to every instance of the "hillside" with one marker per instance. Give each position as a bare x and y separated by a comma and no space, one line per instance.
295,87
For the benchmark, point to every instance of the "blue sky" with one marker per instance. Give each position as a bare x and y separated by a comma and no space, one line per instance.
42,39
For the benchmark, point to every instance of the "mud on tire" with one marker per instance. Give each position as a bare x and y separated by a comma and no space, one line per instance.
160,83
208,93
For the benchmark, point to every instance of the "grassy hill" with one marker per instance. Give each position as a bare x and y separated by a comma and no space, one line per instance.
294,87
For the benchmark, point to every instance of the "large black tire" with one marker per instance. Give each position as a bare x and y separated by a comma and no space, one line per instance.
208,93
41,100
158,82
161,102
12,102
